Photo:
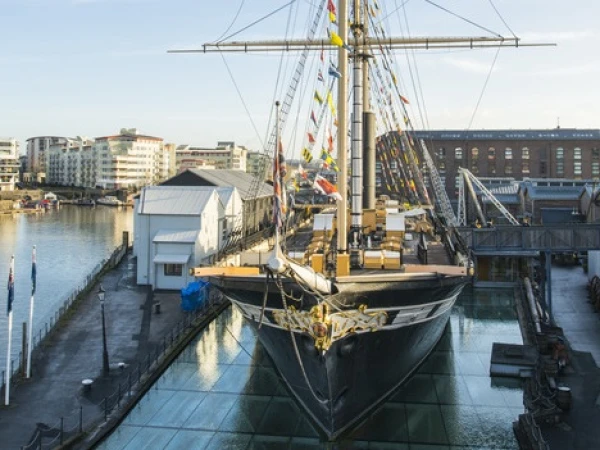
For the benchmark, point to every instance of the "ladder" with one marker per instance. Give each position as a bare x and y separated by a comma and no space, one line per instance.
264,163
439,189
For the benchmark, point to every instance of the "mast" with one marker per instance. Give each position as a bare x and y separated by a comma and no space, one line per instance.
369,128
342,127
356,148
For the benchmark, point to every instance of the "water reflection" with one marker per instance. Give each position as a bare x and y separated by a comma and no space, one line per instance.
70,242
223,392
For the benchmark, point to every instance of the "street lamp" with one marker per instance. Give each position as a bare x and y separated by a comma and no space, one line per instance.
104,350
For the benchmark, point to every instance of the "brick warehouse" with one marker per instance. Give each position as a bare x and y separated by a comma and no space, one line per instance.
554,153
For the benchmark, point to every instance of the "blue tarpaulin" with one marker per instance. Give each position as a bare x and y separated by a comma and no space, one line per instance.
194,295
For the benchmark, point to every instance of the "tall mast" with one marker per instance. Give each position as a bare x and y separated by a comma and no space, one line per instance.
342,127
356,133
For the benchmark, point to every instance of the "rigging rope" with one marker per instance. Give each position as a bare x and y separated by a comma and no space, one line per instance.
232,22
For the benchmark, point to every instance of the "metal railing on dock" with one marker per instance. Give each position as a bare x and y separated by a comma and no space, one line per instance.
39,336
134,382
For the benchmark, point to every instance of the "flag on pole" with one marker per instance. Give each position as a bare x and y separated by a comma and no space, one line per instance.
307,155
338,41
334,72
311,138
11,285
322,185
279,171
318,97
302,172
33,272
320,75
313,118
404,100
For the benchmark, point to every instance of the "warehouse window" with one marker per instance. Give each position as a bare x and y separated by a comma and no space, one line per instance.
173,270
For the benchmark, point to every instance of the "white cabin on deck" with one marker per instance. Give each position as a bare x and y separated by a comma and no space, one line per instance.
177,228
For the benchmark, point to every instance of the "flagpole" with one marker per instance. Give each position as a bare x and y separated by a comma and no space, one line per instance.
30,331
10,320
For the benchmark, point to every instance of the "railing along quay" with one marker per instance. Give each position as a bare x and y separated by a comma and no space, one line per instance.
71,431
38,337
552,238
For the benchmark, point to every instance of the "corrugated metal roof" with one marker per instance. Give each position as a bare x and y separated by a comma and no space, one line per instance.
180,236
175,200
554,192
171,259
225,194
236,178
567,134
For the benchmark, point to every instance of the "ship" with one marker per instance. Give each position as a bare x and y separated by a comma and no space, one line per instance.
354,302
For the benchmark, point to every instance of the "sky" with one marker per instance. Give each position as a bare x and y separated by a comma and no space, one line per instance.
91,67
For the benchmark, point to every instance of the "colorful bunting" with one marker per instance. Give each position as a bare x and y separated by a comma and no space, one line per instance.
330,103
318,97
334,72
311,138
326,188
307,155
313,118
404,100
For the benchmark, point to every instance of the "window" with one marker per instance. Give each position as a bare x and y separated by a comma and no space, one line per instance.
577,168
525,167
458,153
508,169
173,270
560,153
577,153
491,153
474,153
442,153
508,153
474,169
457,181
525,153
560,168
595,169
595,153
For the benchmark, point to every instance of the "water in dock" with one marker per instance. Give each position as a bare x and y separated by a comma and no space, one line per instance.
70,242
223,392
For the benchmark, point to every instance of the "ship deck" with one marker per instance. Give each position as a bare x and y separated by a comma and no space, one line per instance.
438,259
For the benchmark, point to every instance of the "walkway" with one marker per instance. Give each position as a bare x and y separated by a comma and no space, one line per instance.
74,352
581,326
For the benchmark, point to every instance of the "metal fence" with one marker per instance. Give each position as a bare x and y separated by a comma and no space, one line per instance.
17,370
137,378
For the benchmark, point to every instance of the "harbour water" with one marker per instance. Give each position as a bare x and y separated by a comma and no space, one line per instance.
70,243
223,392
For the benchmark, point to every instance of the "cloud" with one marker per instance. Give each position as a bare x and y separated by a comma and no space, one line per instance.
582,69
469,65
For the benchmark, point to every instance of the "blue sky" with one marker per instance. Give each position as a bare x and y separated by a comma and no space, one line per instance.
90,67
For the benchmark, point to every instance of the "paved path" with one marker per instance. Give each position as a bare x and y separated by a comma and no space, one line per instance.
581,327
74,352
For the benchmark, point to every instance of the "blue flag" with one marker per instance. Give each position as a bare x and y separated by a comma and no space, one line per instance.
11,285
334,72
33,271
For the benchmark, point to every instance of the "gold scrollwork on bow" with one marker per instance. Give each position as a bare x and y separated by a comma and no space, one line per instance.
327,328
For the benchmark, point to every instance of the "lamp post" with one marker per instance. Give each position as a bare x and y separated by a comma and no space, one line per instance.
104,350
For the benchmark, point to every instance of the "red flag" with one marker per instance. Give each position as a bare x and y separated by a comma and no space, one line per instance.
313,117
330,6
404,100
325,187
311,138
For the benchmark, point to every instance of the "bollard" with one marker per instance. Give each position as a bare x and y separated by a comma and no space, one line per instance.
157,308
563,398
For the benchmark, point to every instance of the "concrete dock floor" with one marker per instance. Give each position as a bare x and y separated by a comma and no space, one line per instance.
74,352
579,428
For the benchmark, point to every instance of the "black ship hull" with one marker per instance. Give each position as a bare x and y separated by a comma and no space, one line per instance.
338,387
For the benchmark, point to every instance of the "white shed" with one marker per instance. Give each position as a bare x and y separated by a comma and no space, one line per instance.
175,228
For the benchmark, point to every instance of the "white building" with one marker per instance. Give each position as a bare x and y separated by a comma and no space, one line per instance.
37,148
179,227
130,159
227,155
9,163
72,163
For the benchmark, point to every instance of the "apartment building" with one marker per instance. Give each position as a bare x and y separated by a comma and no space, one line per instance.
226,155
259,163
9,163
72,163
37,148
130,159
